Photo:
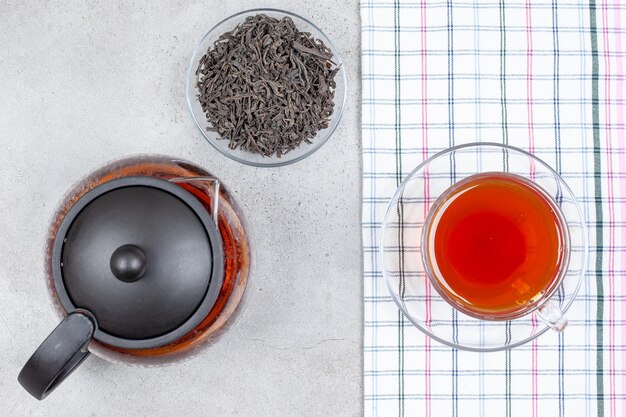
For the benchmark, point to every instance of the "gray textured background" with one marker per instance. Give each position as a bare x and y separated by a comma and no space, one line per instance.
87,82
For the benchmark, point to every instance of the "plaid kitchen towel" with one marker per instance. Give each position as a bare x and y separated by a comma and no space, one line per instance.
545,76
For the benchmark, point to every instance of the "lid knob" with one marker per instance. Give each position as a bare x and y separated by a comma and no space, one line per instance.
128,263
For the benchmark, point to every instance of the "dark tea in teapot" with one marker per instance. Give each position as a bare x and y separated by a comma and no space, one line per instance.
236,251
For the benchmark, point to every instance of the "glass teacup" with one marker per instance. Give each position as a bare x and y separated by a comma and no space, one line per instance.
412,275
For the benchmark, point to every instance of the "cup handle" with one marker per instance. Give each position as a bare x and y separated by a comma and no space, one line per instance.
208,185
55,359
552,315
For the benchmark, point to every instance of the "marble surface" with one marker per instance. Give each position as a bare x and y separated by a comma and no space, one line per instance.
83,83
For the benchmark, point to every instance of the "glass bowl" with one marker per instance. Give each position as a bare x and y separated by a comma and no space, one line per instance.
401,246
246,157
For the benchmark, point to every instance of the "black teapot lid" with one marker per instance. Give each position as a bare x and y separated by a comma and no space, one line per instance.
143,256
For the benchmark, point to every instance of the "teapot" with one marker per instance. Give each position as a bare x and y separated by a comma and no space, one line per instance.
147,262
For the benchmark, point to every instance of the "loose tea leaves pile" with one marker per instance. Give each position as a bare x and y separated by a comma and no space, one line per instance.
266,87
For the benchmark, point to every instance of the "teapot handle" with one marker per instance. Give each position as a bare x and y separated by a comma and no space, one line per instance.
55,359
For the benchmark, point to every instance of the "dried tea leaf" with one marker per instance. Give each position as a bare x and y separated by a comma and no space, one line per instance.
267,87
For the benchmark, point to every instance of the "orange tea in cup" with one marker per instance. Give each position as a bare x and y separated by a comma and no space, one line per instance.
495,245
